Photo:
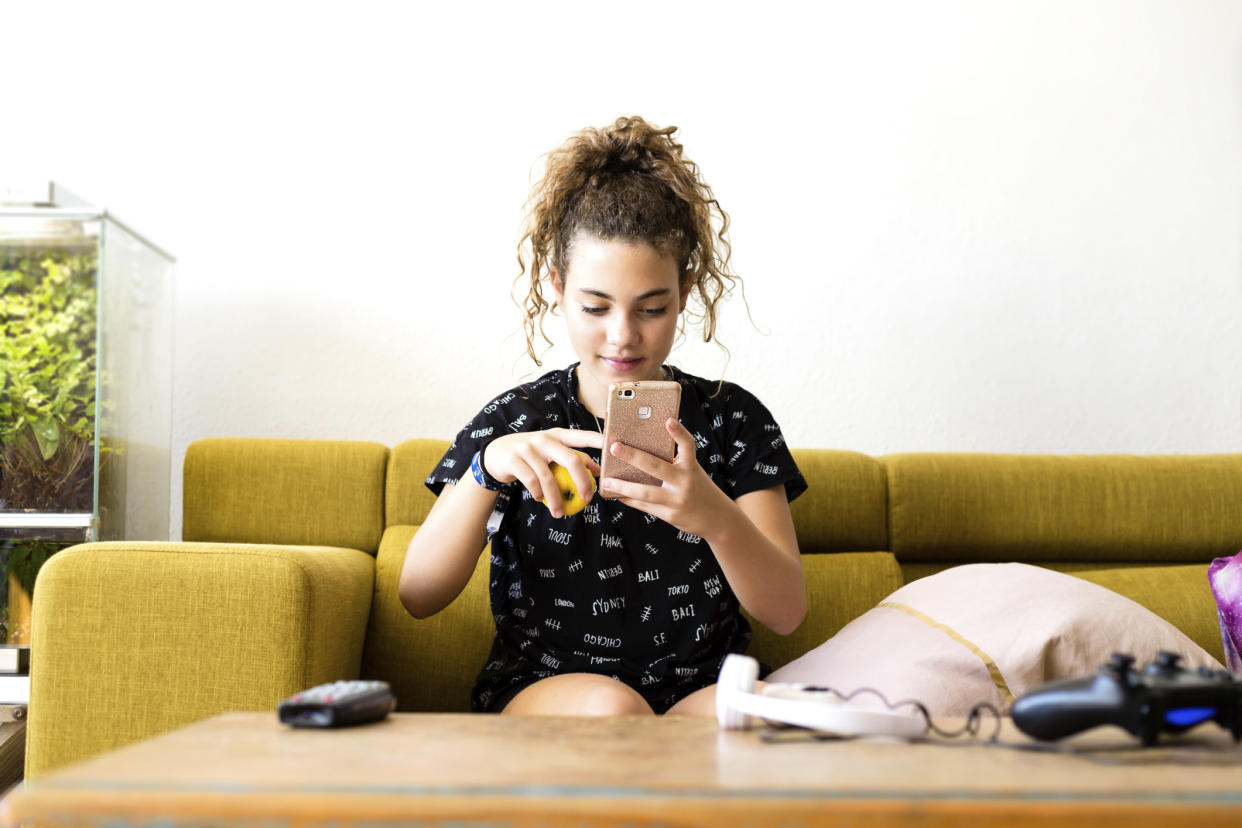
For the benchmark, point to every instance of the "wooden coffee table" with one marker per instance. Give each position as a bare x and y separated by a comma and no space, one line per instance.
246,767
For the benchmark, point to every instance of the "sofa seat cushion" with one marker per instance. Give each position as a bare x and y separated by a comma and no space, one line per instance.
986,633
431,663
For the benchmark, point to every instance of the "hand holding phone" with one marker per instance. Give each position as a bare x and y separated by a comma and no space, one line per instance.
635,415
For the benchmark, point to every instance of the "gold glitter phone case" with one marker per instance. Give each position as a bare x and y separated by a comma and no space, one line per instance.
635,416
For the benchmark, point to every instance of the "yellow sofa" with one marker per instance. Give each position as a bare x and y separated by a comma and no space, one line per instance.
287,576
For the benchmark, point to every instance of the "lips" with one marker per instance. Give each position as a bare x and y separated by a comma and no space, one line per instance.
622,365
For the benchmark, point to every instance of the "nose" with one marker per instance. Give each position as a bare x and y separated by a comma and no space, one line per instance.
622,330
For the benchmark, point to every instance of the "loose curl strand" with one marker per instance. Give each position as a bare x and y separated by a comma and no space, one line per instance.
630,182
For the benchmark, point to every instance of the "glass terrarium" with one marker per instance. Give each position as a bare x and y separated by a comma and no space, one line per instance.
85,377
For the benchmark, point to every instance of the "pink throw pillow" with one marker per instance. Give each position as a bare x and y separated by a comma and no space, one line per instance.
986,633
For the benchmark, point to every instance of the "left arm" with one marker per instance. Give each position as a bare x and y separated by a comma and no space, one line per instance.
752,537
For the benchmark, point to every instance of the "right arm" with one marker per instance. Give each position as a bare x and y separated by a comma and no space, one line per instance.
445,549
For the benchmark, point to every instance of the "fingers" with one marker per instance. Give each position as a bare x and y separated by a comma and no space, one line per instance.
683,438
649,463
588,463
639,459
582,468
535,473
542,455
626,490
583,471
529,458
674,476
579,437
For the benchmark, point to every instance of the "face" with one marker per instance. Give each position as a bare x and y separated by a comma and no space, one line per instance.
621,302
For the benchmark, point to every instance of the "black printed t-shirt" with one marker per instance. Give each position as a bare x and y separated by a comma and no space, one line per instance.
613,590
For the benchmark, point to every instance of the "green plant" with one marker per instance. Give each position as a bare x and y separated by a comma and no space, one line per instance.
47,360
47,377
24,560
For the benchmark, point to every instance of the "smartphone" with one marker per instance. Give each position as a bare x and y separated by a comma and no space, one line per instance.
635,415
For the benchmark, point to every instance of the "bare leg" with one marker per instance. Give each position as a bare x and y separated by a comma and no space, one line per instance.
702,702
699,703
578,694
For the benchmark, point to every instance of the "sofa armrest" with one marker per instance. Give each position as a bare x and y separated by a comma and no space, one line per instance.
131,639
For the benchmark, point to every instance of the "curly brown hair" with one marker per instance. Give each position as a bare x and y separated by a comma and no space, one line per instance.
631,182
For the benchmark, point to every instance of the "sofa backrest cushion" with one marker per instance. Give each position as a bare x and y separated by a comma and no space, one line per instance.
408,499
993,507
300,492
845,507
843,511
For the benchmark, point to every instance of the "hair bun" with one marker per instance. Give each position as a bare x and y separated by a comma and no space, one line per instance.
617,164
618,158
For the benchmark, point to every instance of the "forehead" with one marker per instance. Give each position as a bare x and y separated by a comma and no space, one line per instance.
625,267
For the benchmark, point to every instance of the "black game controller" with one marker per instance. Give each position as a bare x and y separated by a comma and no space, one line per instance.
1162,697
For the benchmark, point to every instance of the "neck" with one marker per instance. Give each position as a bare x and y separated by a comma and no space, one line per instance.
595,398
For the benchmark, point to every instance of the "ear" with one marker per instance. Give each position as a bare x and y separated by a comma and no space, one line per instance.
558,285
687,284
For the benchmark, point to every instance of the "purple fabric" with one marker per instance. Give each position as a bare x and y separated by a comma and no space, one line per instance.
1225,576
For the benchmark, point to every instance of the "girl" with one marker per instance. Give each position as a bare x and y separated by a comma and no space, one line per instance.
631,605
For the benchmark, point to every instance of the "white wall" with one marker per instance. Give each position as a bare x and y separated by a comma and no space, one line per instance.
990,226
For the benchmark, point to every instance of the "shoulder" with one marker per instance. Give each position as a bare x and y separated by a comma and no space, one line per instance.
530,406
536,396
716,396
743,446
727,412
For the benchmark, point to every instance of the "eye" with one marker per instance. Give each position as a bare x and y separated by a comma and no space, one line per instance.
594,311
660,311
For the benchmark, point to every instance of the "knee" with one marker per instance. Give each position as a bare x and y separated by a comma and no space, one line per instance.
701,702
579,694
608,697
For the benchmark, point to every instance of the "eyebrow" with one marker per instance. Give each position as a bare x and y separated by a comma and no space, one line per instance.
649,294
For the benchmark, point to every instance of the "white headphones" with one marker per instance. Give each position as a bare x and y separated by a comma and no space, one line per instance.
796,704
